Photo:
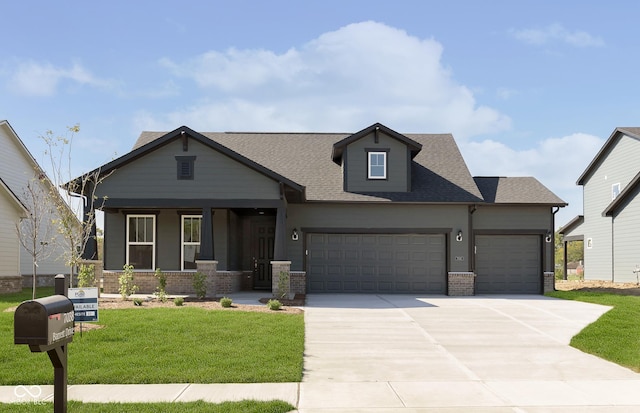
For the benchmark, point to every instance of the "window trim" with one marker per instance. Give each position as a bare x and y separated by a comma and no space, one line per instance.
182,241
370,165
152,243
614,192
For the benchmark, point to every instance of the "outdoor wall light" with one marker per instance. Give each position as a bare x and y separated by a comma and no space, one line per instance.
548,237
294,234
459,236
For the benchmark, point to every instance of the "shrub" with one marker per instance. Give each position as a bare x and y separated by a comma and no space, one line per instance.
200,284
274,305
137,302
226,302
161,290
178,301
86,275
127,287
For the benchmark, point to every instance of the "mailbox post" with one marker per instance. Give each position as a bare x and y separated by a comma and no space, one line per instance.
46,324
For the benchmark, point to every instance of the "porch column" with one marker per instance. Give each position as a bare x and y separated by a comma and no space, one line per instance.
280,241
206,235
91,248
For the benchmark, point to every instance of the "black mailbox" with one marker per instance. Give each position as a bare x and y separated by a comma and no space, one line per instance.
44,323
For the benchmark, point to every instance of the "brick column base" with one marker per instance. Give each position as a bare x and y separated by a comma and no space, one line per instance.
210,270
549,282
461,284
281,269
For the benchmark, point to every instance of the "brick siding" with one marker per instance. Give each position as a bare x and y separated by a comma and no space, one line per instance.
549,282
10,284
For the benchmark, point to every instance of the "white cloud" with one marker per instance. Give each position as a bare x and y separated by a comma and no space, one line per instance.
340,81
557,33
31,78
556,162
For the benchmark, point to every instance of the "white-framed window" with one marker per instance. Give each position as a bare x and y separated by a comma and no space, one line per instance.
615,191
190,241
141,245
377,165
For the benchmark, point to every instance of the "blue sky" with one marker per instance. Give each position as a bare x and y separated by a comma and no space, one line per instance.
528,88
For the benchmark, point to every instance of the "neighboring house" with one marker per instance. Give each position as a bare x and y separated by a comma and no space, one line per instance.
11,211
17,169
610,223
375,212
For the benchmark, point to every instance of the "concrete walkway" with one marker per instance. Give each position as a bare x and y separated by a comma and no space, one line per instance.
398,353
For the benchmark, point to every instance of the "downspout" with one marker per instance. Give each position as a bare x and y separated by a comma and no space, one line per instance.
471,241
613,246
553,249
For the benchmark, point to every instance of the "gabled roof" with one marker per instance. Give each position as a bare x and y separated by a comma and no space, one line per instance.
150,141
622,196
21,146
439,173
338,147
613,139
571,225
13,198
516,190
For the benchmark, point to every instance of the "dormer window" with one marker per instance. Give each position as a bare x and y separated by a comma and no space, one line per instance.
377,165
185,167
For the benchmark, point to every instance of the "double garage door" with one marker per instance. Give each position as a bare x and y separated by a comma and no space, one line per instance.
508,264
416,263
376,263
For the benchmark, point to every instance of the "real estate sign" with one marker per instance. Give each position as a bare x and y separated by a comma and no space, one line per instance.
85,303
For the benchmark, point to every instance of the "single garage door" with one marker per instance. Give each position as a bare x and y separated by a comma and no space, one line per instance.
376,263
508,264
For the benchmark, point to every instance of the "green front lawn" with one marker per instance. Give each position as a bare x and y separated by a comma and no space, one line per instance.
166,345
616,335
194,407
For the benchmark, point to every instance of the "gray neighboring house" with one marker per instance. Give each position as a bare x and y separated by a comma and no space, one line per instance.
371,212
610,223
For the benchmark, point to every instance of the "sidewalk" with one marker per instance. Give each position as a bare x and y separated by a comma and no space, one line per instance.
145,393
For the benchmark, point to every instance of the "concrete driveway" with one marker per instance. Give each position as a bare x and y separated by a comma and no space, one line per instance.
388,353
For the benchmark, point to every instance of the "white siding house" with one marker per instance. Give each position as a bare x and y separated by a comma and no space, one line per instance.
610,225
11,211
17,168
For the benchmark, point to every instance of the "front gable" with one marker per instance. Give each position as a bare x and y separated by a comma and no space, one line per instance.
376,159
184,164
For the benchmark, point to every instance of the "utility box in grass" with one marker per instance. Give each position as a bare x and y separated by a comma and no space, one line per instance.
44,323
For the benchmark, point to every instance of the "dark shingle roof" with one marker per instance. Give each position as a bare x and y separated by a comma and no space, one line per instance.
516,190
439,173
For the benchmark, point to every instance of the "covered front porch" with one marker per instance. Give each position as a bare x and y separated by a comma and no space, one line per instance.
237,246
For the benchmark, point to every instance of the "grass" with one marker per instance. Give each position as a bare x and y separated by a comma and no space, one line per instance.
246,406
616,335
165,345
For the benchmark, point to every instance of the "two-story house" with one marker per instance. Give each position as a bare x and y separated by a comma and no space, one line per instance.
610,223
375,212
17,168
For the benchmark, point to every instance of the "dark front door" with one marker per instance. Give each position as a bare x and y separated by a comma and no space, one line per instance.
262,240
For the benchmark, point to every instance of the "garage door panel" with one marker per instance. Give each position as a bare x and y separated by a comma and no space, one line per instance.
508,264
390,263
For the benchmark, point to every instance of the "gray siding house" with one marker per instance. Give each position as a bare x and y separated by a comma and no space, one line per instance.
611,212
371,212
